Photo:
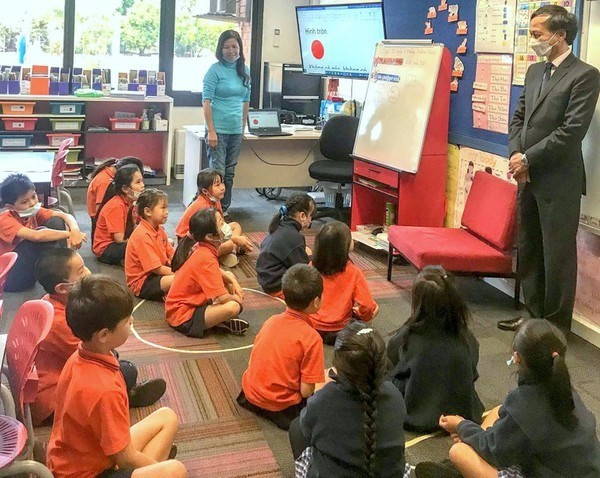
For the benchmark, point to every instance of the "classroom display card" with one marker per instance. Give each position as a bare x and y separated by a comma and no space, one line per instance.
494,28
491,93
524,55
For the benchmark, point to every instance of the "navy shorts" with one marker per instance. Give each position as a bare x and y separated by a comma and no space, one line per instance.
112,473
196,326
151,288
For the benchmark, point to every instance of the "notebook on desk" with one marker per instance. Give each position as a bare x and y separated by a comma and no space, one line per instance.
265,123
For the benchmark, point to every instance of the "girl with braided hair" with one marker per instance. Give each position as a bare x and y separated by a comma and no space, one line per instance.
352,426
285,245
543,429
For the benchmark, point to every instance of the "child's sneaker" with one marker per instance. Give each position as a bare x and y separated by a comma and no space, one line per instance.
235,326
146,393
230,260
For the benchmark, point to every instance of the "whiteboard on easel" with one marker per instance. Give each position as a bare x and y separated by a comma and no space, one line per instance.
399,95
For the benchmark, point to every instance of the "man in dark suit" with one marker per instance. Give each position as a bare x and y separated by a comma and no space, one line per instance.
549,124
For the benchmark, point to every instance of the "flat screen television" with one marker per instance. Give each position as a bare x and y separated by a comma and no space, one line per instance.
339,40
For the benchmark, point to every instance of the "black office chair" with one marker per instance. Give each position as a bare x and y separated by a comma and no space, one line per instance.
337,143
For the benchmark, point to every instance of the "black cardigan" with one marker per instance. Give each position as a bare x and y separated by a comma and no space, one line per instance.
528,435
436,375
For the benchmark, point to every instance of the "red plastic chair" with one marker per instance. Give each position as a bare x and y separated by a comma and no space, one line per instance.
7,260
30,326
58,168
482,247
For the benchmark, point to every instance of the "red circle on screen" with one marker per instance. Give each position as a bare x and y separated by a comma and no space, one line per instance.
317,49
255,121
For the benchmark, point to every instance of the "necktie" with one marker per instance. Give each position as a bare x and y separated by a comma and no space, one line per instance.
547,75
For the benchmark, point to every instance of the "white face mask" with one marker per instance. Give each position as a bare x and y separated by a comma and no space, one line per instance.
541,48
134,194
31,211
226,232
232,61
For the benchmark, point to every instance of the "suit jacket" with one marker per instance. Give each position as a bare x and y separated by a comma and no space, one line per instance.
549,127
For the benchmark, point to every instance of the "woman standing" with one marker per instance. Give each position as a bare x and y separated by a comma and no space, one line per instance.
226,94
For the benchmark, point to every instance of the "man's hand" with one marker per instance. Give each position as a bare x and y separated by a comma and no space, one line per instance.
213,139
516,166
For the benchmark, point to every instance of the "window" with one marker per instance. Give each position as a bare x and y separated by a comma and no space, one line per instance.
118,35
31,32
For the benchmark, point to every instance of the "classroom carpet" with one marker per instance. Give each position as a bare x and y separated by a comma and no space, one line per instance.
219,439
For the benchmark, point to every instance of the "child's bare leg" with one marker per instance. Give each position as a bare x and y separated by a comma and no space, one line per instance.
170,468
165,282
469,463
491,418
154,435
217,313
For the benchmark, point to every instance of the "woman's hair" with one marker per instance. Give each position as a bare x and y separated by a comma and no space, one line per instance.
332,246
118,163
436,304
542,347
296,203
241,63
150,198
123,179
205,179
202,223
360,361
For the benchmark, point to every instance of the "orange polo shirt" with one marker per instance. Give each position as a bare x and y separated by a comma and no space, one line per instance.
286,351
201,202
11,224
97,189
54,351
196,282
147,249
91,421
112,220
340,293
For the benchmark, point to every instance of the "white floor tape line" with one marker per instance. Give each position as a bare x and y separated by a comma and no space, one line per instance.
196,352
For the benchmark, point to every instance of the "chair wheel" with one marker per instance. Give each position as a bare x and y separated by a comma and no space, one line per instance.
260,191
272,193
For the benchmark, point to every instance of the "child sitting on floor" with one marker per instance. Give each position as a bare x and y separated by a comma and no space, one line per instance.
115,221
91,435
149,253
351,426
21,230
285,245
211,191
58,271
203,295
287,358
543,429
345,290
435,355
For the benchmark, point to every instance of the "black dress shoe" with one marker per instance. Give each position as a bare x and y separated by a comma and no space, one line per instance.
147,393
511,325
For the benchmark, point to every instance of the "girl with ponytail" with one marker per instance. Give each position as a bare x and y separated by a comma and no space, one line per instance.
352,426
543,429
285,245
115,219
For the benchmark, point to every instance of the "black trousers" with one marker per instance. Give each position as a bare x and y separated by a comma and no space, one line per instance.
21,275
298,441
548,253
282,419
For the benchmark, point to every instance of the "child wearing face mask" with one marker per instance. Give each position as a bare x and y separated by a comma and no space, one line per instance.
58,271
203,295
29,229
285,245
211,191
115,217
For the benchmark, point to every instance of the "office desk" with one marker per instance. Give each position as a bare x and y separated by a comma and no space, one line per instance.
290,157
37,166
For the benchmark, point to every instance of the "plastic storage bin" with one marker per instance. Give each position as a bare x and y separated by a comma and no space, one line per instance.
73,156
125,124
17,107
19,124
15,140
55,139
67,124
60,108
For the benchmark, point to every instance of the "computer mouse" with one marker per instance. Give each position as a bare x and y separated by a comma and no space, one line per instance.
318,128
377,230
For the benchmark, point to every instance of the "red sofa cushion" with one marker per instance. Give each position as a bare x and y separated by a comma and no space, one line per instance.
490,210
456,250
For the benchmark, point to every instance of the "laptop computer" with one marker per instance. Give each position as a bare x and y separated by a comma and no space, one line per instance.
265,123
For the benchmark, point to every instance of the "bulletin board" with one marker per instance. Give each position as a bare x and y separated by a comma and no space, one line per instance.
405,19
